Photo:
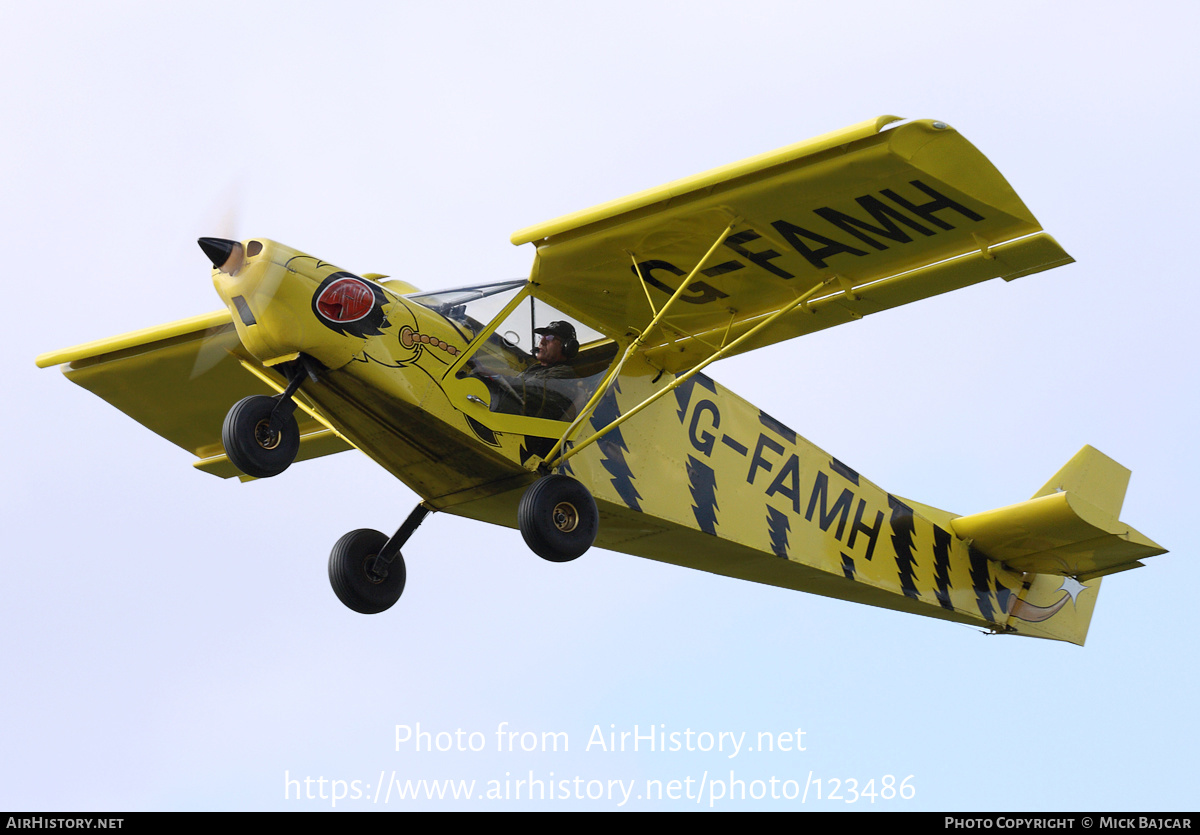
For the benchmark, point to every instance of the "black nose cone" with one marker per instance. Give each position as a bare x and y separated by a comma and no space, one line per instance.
218,250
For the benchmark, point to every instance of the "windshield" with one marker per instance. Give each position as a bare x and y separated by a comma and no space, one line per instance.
470,308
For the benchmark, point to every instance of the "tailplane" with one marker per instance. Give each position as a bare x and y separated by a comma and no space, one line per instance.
1064,539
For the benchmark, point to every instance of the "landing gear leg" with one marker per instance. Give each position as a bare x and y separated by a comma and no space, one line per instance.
366,569
260,433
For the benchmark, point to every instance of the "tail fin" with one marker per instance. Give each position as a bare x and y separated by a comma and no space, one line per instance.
1092,476
1068,534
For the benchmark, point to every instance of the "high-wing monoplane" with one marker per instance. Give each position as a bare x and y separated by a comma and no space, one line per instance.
574,405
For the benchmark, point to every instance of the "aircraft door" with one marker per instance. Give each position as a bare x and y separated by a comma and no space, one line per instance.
538,368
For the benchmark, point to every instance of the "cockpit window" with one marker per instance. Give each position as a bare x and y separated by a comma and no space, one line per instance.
539,362
470,308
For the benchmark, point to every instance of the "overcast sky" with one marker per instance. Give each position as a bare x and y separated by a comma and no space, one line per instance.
170,640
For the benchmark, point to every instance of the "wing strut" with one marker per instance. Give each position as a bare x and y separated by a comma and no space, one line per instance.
637,343
678,381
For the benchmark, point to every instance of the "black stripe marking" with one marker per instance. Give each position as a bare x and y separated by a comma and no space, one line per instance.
941,566
776,427
844,471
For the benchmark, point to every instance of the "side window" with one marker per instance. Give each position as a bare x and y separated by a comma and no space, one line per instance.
539,362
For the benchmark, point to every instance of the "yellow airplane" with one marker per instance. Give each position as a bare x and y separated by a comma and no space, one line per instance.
574,405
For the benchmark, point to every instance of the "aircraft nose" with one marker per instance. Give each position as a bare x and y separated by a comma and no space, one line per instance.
221,252
218,250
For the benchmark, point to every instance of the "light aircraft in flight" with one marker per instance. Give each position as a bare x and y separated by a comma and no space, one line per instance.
574,405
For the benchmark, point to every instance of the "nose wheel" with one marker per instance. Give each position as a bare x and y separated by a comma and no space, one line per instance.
558,518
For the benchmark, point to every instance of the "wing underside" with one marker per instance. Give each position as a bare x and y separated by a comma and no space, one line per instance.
179,380
859,221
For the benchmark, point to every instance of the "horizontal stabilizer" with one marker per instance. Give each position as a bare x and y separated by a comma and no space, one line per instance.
1070,526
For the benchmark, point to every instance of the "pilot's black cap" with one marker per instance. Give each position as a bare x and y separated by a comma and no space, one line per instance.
563,330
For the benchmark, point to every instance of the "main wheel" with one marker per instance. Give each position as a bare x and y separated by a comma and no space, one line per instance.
252,445
352,575
558,518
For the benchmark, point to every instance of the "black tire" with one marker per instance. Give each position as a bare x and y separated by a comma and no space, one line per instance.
558,518
251,445
349,566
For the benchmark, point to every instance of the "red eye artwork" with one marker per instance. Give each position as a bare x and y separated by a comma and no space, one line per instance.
346,300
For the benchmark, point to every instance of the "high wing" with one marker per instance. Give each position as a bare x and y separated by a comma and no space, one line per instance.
179,380
852,222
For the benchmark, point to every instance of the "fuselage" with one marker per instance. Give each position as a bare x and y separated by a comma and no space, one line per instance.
700,478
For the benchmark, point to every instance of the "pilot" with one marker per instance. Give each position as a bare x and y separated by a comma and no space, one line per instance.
546,389
558,344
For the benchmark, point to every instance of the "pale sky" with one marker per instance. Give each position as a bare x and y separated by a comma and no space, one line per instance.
170,639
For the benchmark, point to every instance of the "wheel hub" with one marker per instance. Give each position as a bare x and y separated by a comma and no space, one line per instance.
376,573
565,516
265,436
